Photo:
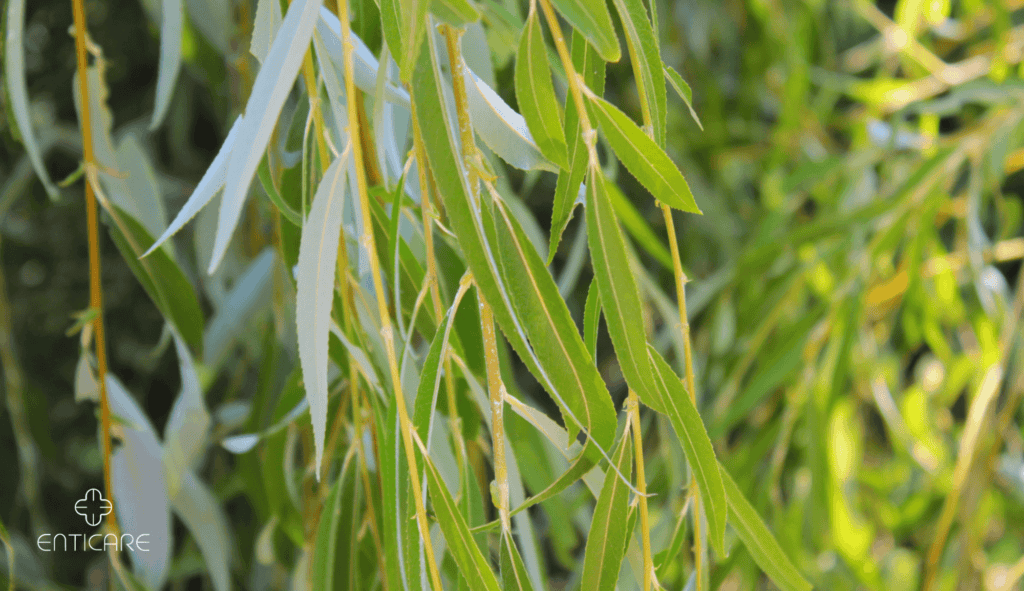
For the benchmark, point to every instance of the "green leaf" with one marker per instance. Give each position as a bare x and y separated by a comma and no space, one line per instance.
455,12
647,66
639,229
760,542
275,196
683,89
6,539
551,329
592,19
620,297
686,421
569,376
644,158
591,66
606,542
591,317
471,562
536,95
391,25
413,19
513,571
335,553
160,276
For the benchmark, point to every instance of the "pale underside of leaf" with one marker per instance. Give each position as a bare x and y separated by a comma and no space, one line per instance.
213,179
201,512
318,257
269,91
502,129
17,90
364,63
171,26
268,20
140,487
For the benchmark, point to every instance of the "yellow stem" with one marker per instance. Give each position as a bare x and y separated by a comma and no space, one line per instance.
496,390
633,408
92,222
691,387
575,81
387,331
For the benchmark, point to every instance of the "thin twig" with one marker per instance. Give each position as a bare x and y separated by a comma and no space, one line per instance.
95,283
387,331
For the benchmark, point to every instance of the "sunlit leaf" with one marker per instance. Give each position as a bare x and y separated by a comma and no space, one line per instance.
568,189
606,541
675,403
646,58
642,156
536,95
592,19
760,542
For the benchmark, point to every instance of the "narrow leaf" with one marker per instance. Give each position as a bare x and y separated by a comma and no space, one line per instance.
213,179
160,276
201,512
646,58
501,128
473,565
267,22
760,542
334,555
591,317
413,16
250,293
269,91
536,95
263,172
17,90
318,257
466,222
683,89
140,486
644,158
620,297
676,404
171,26
455,12
551,329
592,19
606,542
513,571
568,188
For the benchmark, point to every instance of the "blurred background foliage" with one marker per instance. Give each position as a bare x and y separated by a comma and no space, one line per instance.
855,279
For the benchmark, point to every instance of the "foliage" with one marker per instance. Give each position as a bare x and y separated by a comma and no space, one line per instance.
356,226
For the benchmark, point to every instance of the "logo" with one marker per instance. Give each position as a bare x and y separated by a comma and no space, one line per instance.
93,507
